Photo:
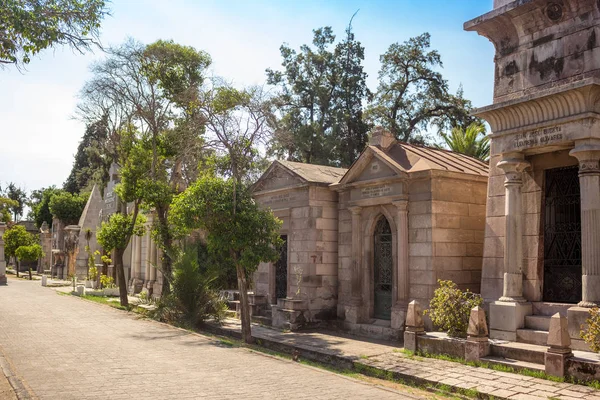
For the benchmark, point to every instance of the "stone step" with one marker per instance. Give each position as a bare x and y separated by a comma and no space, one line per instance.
515,364
549,309
537,322
262,320
532,336
519,351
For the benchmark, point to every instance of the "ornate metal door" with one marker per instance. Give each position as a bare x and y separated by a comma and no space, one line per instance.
281,271
562,236
383,269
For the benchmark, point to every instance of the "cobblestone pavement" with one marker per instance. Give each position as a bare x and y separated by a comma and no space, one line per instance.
66,348
386,357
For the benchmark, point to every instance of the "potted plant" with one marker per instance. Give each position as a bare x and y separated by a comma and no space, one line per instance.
93,275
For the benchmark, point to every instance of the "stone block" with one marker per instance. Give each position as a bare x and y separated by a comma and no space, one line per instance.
420,235
327,224
532,289
453,191
44,280
447,221
353,314
495,206
477,323
448,263
471,263
417,291
496,186
423,277
507,317
327,269
300,212
492,268
328,236
495,226
531,224
474,250
450,249
576,317
414,317
475,349
410,341
420,249
345,226
398,317
558,334
449,208
419,207
556,363
419,221
473,223
476,210
420,263
493,247
531,246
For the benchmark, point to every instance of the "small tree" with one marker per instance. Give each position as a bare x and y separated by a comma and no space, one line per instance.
114,236
450,308
238,232
32,252
14,238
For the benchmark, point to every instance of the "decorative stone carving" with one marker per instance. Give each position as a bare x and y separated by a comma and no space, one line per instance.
414,318
381,137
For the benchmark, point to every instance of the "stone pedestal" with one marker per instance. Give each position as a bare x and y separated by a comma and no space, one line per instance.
414,326
506,318
576,318
556,357
290,314
398,316
44,280
477,344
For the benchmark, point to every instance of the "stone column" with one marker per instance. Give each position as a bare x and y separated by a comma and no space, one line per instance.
153,261
148,265
2,260
402,283
588,155
508,314
513,237
353,310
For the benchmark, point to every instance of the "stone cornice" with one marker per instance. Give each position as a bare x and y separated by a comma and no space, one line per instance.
549,107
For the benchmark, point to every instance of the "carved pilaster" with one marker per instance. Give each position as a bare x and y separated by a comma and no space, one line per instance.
589,183
356,255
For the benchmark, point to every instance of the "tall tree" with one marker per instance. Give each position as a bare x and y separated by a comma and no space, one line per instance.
412,94
39,203
19,198
67,207
91,163
30,26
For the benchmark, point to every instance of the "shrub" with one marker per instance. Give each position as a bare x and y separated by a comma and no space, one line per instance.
93,273
107,282
193,298
591,335
450,308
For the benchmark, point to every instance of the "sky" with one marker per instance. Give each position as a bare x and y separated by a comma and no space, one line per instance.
38,130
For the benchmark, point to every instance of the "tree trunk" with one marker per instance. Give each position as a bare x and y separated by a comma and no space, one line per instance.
118,261
244,305
167,261
30,277
17,266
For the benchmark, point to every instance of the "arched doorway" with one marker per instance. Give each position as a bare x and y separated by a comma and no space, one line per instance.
383,265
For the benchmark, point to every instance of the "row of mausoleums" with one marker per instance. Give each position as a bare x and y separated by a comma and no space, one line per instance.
362,243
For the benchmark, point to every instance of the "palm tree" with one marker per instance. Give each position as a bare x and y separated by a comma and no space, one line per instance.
471,141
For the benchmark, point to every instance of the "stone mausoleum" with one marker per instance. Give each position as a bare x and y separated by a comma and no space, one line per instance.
362,243
542,232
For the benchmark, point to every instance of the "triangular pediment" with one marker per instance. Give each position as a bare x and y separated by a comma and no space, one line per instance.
277,176
373,163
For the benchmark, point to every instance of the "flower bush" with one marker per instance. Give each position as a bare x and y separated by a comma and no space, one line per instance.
450,308
107,282
591,335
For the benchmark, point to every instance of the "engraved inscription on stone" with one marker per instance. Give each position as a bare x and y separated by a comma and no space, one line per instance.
278,198
538,137
375,191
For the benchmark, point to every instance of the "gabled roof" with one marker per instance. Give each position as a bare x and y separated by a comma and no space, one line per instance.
314,173
406,158
304,173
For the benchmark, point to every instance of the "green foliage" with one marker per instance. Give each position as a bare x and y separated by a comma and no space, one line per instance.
107,282
322,89
412,94
591,335
450,308
93,273
30,26
471,141
16,237
39,203
67,207
193,298
115,233
32,252
6,205
19,199
92,160
244,236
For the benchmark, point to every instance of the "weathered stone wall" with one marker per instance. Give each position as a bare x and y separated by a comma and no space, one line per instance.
310,221
458,218
540,46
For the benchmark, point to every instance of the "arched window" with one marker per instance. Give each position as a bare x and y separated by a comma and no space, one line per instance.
383,268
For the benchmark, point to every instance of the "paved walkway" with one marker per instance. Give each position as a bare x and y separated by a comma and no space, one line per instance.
386,357
66,348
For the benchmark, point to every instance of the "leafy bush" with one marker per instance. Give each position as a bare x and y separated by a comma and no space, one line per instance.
29,253
107,282
591,335
67,207
193,298
93,273
450,308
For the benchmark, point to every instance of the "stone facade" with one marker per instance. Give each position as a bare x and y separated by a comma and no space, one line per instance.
299,195
363,243
541,235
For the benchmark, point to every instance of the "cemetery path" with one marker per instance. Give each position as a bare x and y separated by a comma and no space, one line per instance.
62,347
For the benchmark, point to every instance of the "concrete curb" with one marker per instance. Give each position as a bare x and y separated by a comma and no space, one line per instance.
21,389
